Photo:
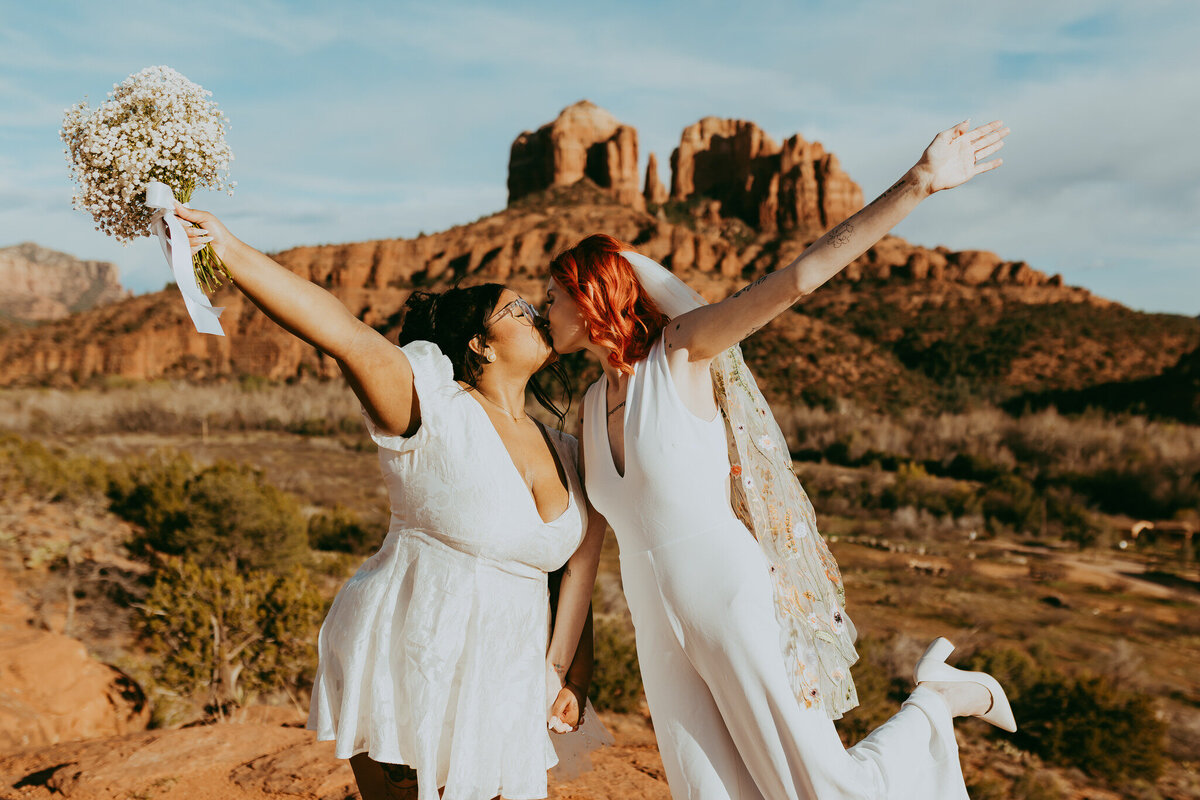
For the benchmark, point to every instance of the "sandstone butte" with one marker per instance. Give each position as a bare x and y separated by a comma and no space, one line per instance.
739,205
37,284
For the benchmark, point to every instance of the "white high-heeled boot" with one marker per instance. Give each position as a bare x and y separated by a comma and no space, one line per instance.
933,667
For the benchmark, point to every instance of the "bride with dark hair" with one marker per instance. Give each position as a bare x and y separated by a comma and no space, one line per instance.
438,669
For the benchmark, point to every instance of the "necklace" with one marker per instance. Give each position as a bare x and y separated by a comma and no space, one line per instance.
616,408
502,408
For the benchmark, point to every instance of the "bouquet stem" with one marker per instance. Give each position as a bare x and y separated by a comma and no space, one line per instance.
210,271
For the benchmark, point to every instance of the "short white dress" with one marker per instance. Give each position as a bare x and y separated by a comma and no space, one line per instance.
434,653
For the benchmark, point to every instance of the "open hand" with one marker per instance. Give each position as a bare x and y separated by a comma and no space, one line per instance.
565,711
204,229
957,155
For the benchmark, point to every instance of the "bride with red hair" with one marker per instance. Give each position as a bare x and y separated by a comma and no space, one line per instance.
743,640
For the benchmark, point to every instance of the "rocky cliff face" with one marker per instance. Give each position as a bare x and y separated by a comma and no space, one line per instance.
38,284
584,141
654,191
587,162
797,187
150,336
51,690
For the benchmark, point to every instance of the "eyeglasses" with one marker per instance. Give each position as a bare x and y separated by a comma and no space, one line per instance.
519,309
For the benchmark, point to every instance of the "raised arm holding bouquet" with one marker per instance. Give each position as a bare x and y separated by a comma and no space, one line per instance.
155,140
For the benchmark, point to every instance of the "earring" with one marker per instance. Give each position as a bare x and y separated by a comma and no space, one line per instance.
491,356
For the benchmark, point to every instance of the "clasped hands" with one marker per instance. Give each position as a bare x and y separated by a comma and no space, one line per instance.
566,712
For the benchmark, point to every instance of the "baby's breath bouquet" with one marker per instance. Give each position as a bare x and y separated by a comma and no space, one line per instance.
155,126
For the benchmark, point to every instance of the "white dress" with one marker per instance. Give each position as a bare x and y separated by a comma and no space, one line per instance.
434,653
727,722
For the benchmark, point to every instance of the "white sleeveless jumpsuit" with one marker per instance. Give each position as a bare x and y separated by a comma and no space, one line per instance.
727,723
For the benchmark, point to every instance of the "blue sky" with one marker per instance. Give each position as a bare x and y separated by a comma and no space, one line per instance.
362,120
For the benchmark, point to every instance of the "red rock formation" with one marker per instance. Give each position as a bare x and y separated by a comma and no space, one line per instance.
814,192
731,161
584,141
150,336
39,284
654,192
52,691
777,201
797,187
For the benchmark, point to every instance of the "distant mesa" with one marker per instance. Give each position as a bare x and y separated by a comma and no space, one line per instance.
584,141
796,187
736,205
733,164
38,284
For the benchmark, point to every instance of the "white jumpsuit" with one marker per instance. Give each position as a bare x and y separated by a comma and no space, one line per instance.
727,723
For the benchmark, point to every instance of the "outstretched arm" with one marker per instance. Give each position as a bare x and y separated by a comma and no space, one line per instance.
954,157
377,371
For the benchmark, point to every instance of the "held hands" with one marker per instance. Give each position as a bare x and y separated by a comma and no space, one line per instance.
203,229
957,155
564,714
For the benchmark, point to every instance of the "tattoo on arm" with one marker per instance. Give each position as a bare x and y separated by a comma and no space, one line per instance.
745,289
841,234
895,187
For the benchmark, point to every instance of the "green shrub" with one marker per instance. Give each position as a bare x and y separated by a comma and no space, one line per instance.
972,467
1011,500
1141,487
221,636
1066,511
344,531
1016,671
52,474
1085,722
914,487
219,514
1035,785
152,492
616,678
1089,723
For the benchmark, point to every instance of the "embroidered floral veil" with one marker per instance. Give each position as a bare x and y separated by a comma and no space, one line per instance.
815,634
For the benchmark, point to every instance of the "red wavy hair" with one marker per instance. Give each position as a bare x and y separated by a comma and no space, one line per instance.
618,314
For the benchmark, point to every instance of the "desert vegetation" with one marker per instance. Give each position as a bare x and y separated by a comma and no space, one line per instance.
955,523
251,403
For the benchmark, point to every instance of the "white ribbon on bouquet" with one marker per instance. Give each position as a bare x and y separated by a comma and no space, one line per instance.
173,238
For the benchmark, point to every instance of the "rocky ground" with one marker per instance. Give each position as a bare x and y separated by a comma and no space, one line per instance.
71,726
268,754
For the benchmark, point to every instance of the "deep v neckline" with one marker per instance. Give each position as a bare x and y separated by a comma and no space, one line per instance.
612,459
517,472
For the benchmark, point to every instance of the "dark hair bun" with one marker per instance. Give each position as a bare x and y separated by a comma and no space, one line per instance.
420,318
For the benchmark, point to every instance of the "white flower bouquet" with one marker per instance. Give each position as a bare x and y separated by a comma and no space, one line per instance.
155,126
